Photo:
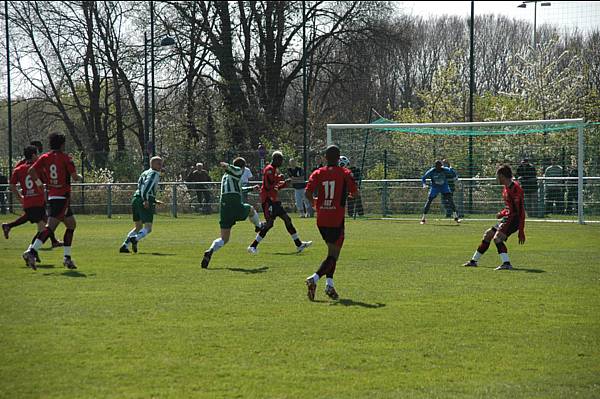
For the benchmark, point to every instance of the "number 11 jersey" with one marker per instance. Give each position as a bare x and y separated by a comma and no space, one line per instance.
333,184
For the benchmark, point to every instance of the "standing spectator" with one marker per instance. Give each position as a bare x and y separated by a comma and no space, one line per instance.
554,190
527,177
452,179
296,173
3,182
572,187
199,177
355,205
245,182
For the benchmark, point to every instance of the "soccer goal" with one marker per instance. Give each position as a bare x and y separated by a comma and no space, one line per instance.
557,162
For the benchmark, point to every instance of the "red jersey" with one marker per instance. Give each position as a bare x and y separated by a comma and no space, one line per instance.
56,167
515,205
333,183
272,182
33,196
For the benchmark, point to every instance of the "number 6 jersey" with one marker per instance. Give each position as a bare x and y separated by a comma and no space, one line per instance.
33,196
57,168
333,183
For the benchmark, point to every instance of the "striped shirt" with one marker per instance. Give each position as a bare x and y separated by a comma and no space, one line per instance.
147,184
230,183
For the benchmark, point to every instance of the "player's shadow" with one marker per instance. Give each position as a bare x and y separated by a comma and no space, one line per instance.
248,271
285,253
518,269
350,302
69,273
44,266
155,254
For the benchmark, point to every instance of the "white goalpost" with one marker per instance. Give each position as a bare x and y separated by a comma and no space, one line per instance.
475,147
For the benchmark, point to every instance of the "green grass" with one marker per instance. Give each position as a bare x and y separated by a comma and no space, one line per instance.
411,322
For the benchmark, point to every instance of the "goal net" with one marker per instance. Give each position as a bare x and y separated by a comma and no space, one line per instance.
557,162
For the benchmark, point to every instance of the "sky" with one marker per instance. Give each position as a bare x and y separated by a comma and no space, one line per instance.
566,14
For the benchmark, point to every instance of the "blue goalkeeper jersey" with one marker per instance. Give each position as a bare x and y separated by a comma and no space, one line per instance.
439,179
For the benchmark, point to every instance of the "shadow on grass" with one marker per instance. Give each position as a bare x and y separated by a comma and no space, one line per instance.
285,253
350,302
69,273
516,269
248,271
155,254
44,266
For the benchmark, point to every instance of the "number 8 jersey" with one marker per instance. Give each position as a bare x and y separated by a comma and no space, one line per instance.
57,168
333,183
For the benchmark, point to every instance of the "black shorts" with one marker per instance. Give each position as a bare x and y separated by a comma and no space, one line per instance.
333,235
272,210
35,214
507,228
60,208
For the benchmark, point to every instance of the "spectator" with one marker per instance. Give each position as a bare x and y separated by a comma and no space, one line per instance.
199,176
296,173
554,190
355,205
3,182
245,182
527,177
572,187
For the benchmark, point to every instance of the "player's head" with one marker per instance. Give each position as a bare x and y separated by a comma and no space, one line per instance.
277,159
504,174
332,155
199,166
438,164
57,141
525,161
445,163
30,153
239,162
293,163
156,163
38,145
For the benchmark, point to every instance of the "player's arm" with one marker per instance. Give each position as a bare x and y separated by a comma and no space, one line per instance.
351,184
232,169
149,189
310,187
32,172
519,204
13,187
426,176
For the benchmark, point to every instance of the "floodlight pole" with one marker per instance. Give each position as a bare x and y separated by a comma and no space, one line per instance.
146,105
304,92
8,99
471,95
153,110
580,155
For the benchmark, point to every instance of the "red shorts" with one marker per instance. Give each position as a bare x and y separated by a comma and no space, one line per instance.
333,235
507,228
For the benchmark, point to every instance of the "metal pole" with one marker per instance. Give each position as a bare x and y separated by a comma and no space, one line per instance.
471,95
304,91
8,102
580,155
109,201
174,201
152,71
146,105
534,23
82,180
385,184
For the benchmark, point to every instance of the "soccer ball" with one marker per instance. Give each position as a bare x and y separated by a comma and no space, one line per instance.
344,162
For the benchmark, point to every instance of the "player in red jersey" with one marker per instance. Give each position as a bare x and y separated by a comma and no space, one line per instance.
512,219
334,183
272,182
58,169
24,218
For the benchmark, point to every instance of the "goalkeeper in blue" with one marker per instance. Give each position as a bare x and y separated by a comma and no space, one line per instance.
439,176
143,205
233,209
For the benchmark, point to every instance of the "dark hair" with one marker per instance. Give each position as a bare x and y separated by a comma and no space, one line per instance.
505,171
29,152
56,140
332,154
239,162
37,144
438,163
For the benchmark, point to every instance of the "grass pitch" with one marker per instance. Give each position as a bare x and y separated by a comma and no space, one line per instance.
411,321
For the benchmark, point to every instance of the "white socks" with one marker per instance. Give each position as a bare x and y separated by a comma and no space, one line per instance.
504,257
37,244
476,256
143,233
217,244
329,282
258,238
315,277
255,219
67,251
294,236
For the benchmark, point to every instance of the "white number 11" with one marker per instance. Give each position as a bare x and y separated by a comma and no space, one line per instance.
329,189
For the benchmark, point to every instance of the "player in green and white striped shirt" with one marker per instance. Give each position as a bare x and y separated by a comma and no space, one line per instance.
143,205
232,208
